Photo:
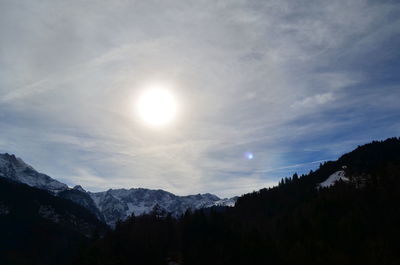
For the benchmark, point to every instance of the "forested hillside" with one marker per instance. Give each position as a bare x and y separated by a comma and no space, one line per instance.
351,222
39,228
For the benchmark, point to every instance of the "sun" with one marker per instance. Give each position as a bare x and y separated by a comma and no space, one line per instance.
156,106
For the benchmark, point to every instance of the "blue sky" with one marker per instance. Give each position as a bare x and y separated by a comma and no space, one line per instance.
293,82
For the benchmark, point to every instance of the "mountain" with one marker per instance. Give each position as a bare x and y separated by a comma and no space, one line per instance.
352,218
17,170
112,205
119,204
81,197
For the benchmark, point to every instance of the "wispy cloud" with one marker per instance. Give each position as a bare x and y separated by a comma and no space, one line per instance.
314,101
289,82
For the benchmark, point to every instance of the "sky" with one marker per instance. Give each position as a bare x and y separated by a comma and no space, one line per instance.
290,83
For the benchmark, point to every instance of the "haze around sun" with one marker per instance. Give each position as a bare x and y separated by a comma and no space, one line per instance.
156,106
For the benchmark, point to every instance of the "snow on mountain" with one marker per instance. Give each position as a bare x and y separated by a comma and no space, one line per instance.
15,169
112,205
119,204
332,179
227,201
79,188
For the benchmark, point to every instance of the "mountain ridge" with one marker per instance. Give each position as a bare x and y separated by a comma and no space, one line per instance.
112,205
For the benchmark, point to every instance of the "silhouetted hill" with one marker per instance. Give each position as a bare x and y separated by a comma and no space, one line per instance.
39,228
353,219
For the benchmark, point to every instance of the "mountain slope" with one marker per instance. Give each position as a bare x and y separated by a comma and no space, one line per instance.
112,205
39,228
119,204
81,197
16,169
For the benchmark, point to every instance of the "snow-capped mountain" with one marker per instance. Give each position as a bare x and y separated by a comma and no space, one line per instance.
332,179
112,205
119,204
16,169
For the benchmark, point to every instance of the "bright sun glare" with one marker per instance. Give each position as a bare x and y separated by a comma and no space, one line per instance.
156,106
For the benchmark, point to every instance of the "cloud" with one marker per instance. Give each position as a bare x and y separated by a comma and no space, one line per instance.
289,82
314,101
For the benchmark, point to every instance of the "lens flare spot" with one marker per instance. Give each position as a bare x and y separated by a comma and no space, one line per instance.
248,155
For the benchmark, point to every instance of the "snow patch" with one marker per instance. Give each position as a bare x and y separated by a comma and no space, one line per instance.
332,179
